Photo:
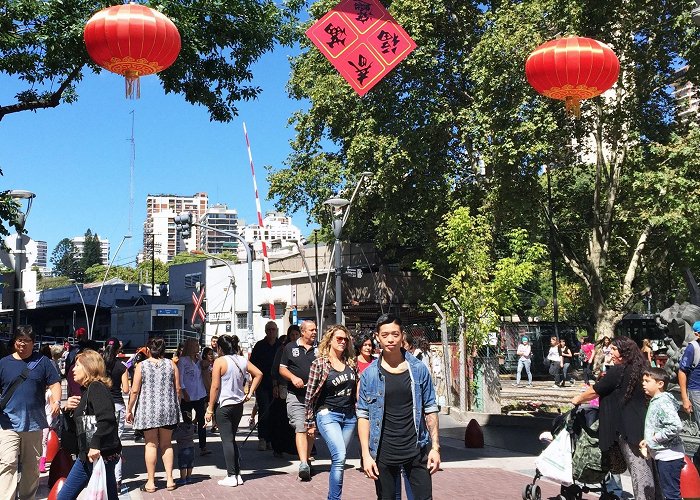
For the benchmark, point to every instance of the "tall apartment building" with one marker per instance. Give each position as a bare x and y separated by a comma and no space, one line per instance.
79,242
276,227
160,238
686,96
42,255
221,217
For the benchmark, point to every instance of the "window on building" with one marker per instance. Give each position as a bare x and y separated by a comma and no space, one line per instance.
192,279
241,321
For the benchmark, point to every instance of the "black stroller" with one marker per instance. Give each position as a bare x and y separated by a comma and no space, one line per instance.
581,423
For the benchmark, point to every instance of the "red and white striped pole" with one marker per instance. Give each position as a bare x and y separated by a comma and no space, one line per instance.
266,262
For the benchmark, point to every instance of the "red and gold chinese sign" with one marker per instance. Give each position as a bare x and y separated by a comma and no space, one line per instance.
362,41
572,69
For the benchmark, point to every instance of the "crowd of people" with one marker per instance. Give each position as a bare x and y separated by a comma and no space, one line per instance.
376,387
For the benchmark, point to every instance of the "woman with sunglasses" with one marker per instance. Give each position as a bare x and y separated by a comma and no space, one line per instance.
330,398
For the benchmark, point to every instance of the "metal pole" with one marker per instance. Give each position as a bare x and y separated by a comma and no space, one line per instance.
552,255
99,293
153,265
337,227
447,361
17,292
308,273
82,300
462,359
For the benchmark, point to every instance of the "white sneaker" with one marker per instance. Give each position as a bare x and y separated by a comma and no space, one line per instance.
239,479
228,481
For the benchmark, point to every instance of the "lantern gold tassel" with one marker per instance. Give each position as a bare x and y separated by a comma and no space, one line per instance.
133,84
573,106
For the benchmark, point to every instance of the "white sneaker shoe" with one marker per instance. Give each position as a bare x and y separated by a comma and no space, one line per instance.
228,481
239,479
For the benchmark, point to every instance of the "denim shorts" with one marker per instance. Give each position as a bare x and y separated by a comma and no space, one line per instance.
185,457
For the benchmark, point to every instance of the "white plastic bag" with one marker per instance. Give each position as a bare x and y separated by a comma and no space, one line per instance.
96,488
555,462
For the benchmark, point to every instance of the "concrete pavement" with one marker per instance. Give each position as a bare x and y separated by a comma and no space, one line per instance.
491,473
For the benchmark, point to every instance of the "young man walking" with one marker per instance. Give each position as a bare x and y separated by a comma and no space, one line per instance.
263,356
294,367
398,417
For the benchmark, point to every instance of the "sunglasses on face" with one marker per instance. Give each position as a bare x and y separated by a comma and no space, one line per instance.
341,340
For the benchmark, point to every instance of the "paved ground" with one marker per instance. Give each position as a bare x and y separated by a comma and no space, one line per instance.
490,473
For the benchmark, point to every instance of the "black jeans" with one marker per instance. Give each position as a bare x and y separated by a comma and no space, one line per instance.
198,406
228,418
263,398
418,475
670,477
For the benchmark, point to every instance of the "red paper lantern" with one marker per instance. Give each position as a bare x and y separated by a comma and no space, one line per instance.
132,40
571,69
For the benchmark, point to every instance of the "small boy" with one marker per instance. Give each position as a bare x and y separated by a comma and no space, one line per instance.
184,436
662,428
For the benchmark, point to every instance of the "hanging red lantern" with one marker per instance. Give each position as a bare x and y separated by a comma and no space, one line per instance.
132,40
571,69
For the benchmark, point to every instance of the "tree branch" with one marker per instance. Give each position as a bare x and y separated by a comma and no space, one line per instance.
50,102
631,273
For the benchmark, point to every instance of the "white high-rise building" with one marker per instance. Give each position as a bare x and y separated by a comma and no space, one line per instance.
277,228
686,96
79,242
160,238
221,217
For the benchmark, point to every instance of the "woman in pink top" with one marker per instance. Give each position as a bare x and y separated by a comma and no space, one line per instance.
364,347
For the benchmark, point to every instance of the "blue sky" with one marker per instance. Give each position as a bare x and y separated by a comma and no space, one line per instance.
76,157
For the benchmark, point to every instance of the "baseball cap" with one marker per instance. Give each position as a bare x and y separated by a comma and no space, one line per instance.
696,327
525,339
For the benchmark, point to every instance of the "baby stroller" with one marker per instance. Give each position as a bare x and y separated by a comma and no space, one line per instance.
586,465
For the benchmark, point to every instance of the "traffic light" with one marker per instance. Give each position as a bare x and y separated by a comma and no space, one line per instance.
183,224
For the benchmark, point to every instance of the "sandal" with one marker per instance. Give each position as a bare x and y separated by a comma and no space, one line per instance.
172,487
147,490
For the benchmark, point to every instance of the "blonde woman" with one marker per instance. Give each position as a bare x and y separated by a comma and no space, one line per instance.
89,371
330,400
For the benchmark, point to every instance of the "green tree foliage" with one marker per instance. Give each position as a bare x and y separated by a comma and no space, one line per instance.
456,124
52,282
92,252
64,259
484,286
41,44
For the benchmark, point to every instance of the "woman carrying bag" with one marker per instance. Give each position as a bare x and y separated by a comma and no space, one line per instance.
95,424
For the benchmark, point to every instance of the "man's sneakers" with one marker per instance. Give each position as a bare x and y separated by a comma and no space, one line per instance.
231,481
304,472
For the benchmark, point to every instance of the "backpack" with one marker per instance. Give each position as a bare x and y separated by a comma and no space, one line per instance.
696,353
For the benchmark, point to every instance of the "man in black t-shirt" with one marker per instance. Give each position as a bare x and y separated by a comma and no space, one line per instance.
397,417
294,367
263,356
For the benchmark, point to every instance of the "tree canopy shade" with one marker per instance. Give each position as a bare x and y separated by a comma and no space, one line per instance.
41,44
456,124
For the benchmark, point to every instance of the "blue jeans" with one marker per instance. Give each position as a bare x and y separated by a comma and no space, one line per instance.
337,429
670,477
79,476
524,363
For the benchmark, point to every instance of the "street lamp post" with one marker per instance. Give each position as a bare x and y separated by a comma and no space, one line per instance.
311,281
338,205
341,211
18,195
99,293
82,301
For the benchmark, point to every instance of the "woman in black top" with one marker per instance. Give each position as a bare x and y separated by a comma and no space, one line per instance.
622,410
89,372
330,398
117,372
566,357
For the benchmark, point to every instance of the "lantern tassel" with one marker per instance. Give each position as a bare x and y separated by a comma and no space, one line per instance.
573,106
132,85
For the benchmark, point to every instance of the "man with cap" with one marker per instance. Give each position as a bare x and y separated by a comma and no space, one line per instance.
524,354
689,380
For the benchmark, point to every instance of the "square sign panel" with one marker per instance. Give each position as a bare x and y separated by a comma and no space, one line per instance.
362,41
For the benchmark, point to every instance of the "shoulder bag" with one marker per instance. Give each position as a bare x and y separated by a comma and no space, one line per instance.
16,383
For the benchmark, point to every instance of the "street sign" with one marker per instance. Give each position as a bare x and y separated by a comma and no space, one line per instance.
30,250
167,312
198,310
362,41
353,272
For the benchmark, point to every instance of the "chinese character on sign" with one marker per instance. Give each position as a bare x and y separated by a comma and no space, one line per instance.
389,41
337,35
361,68
362,41
363,10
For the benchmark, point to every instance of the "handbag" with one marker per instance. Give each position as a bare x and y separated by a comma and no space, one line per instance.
86,425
